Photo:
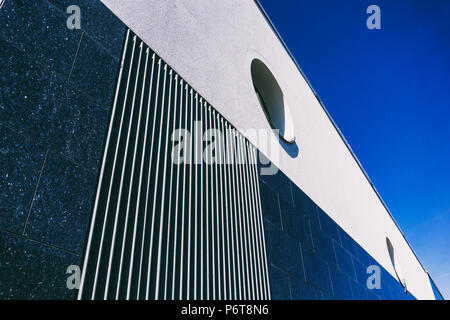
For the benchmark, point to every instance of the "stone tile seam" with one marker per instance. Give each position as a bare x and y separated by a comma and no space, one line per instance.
34,194
83,30
76,55
57,74
303,267
35,142
294,277
39,242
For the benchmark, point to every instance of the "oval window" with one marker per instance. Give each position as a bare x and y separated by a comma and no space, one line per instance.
395,263
271,99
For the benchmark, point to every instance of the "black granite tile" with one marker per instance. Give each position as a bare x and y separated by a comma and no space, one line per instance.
39,29
326,296
344,261
398,292
94,72
387,291
306,205
83,129
371,295
21,164
295,224
341,284
269,204
36,102
328,225
280,183
30,270
323,246
62,205
283,251
99,22
347,242
359,292
302,291
29,95
361,272
316,270
363,256
279,284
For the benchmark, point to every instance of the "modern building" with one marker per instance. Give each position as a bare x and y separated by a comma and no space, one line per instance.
175,150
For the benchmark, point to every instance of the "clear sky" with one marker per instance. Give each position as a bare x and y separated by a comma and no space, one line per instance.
388,91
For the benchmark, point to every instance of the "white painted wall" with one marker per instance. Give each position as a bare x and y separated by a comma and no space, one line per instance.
211,44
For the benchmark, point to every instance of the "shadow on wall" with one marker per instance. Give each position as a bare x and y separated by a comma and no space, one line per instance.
272,101
395,264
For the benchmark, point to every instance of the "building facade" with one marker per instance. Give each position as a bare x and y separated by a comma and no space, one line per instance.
175,150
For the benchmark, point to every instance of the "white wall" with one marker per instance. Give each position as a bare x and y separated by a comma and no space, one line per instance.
211,44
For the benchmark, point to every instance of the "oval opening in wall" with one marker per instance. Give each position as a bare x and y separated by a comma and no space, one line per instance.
272,101
395,263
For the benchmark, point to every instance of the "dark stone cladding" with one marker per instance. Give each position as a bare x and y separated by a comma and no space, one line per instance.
56,91
309,255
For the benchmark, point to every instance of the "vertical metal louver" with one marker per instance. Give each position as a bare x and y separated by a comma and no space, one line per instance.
167,230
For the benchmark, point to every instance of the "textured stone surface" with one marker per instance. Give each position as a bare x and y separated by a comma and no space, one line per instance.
344,261
269,203
40,30
108,30
62,205
84,128
334,266
94,72
21,162
30,270
30,95
295,224
301,291
42,109
34,101
316,270
279,284
283,251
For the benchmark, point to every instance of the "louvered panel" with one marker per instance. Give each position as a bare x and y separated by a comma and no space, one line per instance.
165,229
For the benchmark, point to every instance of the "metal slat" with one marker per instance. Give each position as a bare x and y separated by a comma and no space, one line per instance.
184,195
178,195
261,232
171,187
227,198
231,220
241,213
246,221
219,158
231,154
255,224
207,206
255,246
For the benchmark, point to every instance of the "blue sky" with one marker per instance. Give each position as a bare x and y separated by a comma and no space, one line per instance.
388,91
